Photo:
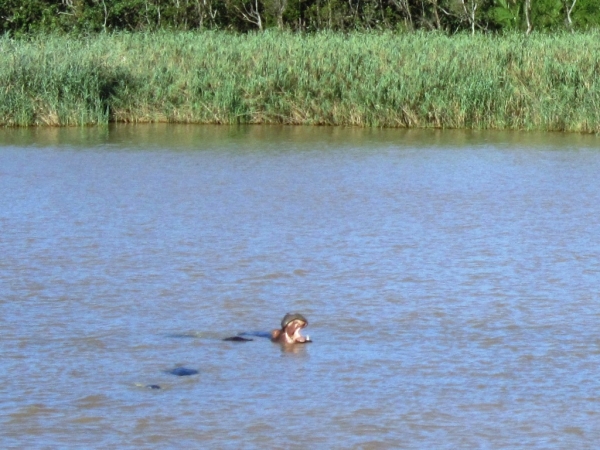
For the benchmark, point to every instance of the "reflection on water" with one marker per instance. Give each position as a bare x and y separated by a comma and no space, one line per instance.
449,277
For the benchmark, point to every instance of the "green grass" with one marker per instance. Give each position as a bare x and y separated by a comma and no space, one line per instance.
540,82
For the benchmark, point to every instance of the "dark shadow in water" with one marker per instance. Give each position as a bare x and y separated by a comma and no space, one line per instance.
261,334
240,337
182,371
237,339
244,337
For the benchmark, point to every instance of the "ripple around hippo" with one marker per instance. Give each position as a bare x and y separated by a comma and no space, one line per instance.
290,332
291,325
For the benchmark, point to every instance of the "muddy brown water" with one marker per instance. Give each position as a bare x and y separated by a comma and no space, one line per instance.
450,279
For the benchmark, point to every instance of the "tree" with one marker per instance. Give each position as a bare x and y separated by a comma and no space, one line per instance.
507,14
586,14
470,7
249,11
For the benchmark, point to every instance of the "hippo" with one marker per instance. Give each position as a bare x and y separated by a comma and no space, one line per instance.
291,324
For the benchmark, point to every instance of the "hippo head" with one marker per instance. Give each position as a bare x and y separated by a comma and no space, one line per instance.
291,324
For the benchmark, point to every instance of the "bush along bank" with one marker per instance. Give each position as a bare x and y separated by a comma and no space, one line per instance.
421,80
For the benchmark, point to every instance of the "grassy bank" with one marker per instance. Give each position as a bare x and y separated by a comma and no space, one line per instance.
542,82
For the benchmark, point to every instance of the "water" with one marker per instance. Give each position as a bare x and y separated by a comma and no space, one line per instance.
450,280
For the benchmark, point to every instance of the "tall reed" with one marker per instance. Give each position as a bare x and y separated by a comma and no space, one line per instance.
541,82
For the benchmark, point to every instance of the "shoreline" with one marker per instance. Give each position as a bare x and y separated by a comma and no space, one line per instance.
418,80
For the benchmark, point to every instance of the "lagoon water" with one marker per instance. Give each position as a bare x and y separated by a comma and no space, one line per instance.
450,278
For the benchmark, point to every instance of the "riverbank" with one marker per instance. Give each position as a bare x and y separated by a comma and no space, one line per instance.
540,82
